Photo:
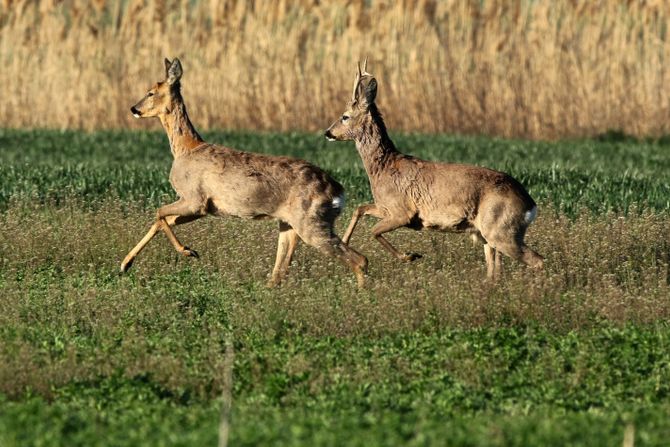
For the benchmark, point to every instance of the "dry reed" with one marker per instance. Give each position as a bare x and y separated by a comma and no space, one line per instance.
536,69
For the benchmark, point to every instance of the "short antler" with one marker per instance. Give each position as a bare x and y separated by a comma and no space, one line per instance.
356,81
359,76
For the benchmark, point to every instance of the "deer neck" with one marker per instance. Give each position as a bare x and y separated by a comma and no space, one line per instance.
374,144
181,133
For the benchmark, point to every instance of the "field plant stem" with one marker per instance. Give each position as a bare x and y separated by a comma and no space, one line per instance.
226,394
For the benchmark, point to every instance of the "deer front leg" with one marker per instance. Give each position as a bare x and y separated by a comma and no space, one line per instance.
364,210
182,209
130,257
390,224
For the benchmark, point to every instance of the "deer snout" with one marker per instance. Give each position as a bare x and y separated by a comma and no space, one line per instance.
329,136
136,113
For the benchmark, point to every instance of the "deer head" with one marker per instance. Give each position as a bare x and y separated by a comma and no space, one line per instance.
160,98
363,97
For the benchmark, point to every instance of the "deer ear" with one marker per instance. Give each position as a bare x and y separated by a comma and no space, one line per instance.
167,66
366,91
174,72
371,91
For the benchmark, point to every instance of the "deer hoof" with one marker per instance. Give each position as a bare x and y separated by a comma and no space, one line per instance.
360,281
409,257
188,252
125,265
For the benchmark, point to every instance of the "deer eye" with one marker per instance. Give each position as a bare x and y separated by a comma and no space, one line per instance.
150,94
345,117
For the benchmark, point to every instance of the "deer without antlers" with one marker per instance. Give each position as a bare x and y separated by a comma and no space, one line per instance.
414,193
217,180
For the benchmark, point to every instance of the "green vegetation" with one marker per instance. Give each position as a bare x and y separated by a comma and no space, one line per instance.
613,174
479,388
427,354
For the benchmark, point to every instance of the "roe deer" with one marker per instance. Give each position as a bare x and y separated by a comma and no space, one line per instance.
211,179
414,193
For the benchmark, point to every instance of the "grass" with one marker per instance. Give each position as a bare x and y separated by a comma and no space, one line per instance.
427,354
533,68
609,175
524,387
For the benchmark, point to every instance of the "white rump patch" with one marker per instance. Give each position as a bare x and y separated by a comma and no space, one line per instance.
338,202
531,215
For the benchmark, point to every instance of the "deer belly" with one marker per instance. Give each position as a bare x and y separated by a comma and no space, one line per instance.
454,224
244,207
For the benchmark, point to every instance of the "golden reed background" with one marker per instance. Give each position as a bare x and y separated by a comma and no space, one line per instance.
539,69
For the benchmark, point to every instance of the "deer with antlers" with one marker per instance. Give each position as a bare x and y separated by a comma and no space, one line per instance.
408,192
216,180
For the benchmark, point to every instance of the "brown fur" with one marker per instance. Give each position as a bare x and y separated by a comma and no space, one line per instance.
217,180
414,193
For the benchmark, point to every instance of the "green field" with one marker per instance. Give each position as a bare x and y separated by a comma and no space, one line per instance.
427,354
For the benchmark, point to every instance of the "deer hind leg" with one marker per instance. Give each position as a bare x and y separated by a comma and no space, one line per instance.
155,228
505,232
514,247
326,241
348,256
520,251
390,224
288,241
531,258
523,253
